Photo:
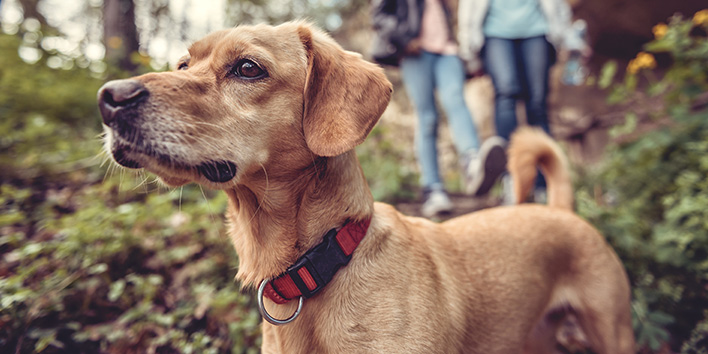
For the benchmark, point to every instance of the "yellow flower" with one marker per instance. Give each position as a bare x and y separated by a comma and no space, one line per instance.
700,18
646,60
659,30
632,67
642,61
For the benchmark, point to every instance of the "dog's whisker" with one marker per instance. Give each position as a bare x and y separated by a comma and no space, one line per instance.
181,189
142,183
156,185
113,170
105,159
145,181
206,200
109,171
122,176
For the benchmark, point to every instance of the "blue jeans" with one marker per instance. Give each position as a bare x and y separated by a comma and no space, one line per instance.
423,75
519,70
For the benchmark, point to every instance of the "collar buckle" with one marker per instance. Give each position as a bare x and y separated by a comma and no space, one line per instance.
317,267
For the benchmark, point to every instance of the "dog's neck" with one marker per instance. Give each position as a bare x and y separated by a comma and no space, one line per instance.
274,221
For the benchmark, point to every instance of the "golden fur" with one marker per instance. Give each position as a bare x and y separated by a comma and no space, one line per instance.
502,280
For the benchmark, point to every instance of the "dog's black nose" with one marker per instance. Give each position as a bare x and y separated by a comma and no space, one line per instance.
118,94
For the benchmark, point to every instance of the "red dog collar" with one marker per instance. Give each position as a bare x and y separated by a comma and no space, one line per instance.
317,267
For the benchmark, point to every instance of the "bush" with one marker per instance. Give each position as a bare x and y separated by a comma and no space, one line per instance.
655,207
99,269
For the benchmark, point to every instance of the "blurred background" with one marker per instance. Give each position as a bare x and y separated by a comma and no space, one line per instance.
96,259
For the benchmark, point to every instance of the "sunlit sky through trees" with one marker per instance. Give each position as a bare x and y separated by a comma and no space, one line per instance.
165,27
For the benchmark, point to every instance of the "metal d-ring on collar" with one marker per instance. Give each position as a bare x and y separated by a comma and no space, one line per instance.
265,313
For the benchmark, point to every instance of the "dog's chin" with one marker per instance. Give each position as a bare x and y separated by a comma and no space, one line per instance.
215,173
122,157
175,174
174,181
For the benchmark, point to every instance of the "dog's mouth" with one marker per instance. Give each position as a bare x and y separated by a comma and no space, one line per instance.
120,154
216,171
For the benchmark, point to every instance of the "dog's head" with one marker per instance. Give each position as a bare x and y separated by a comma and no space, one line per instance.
244,99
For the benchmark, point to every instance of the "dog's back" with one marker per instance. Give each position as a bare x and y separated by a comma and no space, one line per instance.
531,148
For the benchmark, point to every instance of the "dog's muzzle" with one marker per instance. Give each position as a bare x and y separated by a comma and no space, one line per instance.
119,102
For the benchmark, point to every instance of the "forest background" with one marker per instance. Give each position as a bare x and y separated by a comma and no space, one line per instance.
94,258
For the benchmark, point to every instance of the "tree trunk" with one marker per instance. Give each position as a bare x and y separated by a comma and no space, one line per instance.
120,33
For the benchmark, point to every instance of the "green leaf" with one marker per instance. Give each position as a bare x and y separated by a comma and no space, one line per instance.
607,74
116,290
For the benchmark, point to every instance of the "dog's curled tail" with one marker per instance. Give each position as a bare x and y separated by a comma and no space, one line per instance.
530,148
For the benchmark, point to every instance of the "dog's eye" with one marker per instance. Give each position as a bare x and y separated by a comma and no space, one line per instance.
183,66
248,69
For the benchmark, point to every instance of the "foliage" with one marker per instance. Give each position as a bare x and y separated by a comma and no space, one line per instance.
95,269
31,143
380,158
88,265
698,342
683,42
655,209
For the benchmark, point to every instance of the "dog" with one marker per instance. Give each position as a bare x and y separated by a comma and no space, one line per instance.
271,115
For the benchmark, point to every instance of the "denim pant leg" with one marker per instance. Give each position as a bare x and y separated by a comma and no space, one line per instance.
535,59
418,79
500,62
450,82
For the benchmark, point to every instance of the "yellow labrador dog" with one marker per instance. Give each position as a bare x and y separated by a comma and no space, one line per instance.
271,116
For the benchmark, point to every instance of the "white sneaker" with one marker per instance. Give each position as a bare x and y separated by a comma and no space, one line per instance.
484,168
436,202
508,197
540,195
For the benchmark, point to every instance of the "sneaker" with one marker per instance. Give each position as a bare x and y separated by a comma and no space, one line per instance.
540,195
484,168
435,202
508,197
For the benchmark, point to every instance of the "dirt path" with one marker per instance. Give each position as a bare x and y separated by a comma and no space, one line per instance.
463,204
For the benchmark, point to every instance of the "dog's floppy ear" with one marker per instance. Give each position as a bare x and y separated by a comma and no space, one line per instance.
344,95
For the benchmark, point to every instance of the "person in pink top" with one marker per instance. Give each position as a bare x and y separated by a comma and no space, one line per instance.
430,65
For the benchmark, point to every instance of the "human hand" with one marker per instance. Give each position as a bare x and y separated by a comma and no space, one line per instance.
475,74
586,52
413,48
473,67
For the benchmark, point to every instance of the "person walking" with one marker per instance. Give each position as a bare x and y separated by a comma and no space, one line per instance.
515,42
419,32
